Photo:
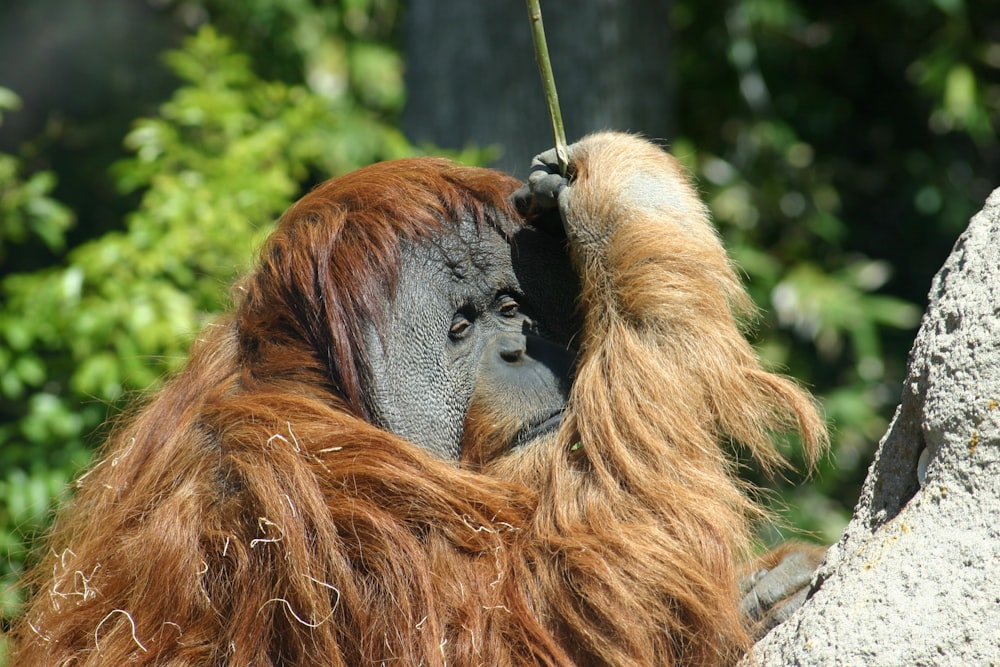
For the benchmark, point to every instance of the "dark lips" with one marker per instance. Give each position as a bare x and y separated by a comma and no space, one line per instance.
544,427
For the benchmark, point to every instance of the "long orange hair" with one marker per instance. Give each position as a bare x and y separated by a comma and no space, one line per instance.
248,514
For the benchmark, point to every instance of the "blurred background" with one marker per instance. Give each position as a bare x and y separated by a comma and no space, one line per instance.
147,146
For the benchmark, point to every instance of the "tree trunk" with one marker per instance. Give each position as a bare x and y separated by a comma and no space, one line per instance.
471,76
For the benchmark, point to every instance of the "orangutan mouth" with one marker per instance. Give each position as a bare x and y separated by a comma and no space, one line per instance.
531,432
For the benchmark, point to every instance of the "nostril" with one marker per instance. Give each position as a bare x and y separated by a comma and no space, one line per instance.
511,356
511,348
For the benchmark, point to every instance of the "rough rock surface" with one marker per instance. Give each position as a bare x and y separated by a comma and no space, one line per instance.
915,579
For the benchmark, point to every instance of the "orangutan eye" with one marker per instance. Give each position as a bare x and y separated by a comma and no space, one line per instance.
509,307
460,326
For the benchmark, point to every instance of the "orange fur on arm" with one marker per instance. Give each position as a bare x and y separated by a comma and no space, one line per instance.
665,375
657,277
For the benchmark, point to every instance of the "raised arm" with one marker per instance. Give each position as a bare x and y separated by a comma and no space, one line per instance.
660,296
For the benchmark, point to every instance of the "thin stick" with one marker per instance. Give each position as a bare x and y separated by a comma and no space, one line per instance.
548,83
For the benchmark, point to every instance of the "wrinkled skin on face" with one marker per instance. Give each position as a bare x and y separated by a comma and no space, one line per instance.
479,314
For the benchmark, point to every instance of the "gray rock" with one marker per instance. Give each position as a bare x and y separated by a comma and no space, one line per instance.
915,579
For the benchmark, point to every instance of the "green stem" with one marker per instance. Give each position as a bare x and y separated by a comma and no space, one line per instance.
548,83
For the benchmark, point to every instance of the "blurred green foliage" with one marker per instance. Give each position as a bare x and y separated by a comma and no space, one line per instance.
26,209
26,490
841,147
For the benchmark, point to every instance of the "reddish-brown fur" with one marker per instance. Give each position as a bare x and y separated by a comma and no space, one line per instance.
249,515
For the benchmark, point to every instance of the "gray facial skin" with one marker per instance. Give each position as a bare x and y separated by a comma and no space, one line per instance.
474,314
